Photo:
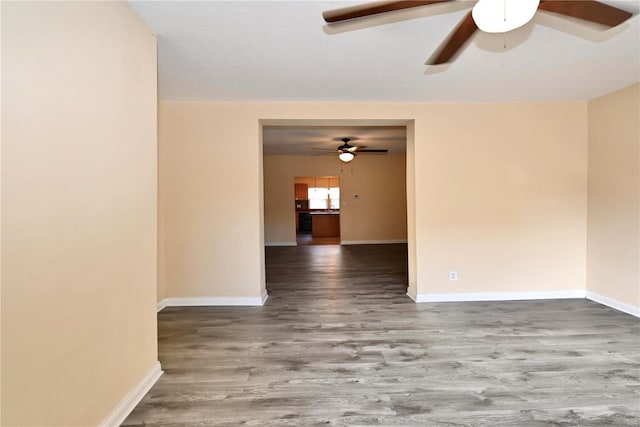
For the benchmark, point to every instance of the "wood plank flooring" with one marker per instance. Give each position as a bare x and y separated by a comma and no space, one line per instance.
338,343
309,239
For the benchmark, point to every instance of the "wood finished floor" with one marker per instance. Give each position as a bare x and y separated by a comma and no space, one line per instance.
338,343
308,239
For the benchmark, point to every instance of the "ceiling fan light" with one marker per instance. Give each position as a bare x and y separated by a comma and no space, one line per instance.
346,156
501,16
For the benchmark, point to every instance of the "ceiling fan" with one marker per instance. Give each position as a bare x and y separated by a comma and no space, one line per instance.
347,152
494,16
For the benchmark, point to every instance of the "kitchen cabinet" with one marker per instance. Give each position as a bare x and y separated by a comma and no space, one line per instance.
325,224
302,191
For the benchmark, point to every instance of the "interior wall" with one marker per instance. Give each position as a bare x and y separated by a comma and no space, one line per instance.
499,193
501,198
378,214
412,288
78,210
0,223
614,197
211,201
163,182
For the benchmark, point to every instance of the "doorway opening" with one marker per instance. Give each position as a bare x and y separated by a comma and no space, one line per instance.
317,210
376,192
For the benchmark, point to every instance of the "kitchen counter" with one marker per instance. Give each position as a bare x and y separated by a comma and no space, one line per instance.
325,224
325,213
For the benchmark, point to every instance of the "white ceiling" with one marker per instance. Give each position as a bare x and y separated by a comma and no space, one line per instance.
283,51
324,140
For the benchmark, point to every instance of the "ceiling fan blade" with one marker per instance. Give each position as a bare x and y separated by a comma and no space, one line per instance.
372,151
587,10
333,153
359,11
357,148
454,42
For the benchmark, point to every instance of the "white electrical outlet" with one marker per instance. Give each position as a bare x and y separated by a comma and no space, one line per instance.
453,275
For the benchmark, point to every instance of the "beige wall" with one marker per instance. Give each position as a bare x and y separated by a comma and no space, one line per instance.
498,193
501,198
78,210
211,202
614,196
411,210
163,182
0,222
379,214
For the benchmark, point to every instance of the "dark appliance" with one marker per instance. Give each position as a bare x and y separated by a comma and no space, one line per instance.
304,221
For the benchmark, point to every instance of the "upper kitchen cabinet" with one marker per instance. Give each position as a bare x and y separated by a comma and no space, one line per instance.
302,191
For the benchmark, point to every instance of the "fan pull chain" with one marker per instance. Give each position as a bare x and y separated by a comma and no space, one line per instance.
504,10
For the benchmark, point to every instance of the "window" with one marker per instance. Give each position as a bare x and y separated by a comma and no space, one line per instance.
324,198
334,198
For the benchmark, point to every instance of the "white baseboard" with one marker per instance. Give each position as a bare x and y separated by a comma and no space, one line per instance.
372,242
613,303
281,244
162,304
128,404
518,296
497,296
213,301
